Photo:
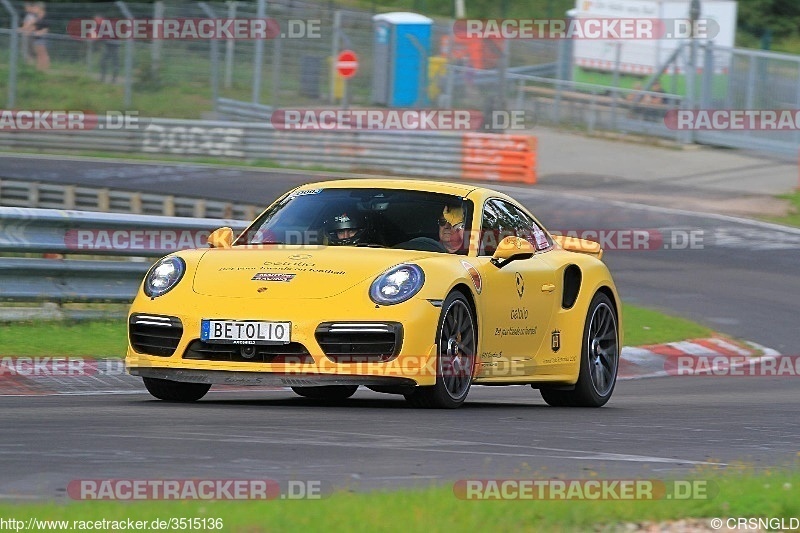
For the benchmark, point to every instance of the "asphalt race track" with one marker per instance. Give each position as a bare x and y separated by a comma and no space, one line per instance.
651,429
740,278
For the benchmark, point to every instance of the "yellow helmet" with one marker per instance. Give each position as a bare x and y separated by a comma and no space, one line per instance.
453,215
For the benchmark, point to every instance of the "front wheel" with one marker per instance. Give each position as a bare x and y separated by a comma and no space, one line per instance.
327,392
175,391
457,341
599,359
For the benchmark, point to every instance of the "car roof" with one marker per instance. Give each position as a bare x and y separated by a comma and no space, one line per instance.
460,189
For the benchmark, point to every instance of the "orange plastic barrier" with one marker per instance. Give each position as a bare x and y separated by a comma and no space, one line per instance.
498,157
475,53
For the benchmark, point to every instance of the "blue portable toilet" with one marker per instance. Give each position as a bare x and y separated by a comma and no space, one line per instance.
402,48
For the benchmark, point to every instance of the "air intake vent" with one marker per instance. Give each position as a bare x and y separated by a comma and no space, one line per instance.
155,335
292,353
360,342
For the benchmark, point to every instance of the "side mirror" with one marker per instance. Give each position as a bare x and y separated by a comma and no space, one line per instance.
512,249
221,238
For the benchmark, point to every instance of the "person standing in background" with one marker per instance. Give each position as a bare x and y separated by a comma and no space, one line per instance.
109,61
25,30
41,27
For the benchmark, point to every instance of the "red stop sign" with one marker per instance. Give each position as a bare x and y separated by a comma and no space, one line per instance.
347,64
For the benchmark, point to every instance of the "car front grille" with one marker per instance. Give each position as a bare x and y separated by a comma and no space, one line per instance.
292,353
360,342
154,334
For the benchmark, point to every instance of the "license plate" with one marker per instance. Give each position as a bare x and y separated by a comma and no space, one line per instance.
245,331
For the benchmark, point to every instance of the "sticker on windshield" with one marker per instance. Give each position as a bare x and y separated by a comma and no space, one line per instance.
541,239
306,193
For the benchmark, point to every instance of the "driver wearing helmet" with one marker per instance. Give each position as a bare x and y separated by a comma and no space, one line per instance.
346,228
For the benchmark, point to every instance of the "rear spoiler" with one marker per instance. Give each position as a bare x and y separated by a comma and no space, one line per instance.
582,246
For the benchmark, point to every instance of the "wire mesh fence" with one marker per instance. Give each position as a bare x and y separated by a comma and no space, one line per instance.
187,78
296,69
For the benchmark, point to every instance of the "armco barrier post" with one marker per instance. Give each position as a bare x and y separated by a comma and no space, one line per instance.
128,95
258,57
229,49
214,58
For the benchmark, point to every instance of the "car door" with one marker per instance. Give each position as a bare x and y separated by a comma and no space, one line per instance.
519,298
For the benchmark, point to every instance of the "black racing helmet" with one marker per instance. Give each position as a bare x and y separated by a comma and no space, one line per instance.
352,222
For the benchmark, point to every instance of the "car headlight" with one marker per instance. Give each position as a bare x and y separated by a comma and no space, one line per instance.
163,276
397,284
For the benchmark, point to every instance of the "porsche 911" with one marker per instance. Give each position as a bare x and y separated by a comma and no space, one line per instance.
416,288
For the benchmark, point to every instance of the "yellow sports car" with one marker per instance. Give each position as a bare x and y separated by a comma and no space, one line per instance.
406,287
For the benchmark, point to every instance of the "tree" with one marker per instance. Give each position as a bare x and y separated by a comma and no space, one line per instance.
781,18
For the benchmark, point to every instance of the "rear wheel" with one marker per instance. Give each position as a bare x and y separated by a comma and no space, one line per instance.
599,359
457,341
327,392
175,391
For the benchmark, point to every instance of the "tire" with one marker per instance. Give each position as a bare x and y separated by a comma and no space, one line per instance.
175,391
327,392
457,341
597,376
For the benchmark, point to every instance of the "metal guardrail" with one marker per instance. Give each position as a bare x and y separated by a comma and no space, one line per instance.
414,153
595,107
69,281
49,231
80,232
243,111
16,193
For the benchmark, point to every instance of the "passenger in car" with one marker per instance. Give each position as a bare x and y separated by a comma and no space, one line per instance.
451,228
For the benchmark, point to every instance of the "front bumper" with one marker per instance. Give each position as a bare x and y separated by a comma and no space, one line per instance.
415,363
228,377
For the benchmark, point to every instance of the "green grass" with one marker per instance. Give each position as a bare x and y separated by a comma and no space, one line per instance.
180,89
155,158
75,89
772,494
42,338
793,218
644,326
108,338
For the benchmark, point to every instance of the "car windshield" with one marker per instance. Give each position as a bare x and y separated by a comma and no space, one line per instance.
391,218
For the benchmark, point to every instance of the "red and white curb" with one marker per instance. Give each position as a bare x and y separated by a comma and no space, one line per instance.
28,376
712,356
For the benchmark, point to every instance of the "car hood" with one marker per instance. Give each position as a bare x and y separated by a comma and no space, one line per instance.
292,272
